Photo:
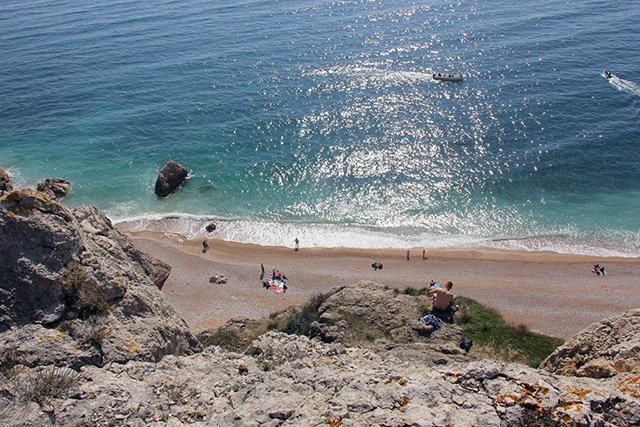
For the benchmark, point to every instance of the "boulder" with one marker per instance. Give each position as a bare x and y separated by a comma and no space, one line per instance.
74,290
604,349
211,227
6,184
170,178
55,187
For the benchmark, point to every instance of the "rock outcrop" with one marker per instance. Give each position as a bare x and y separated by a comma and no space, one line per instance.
74,291
367,314
604,349
6,185
170,178
291,380
55,187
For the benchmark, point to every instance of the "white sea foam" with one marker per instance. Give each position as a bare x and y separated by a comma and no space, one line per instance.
267,233
624,85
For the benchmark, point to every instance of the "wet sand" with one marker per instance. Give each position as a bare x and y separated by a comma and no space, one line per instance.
549,293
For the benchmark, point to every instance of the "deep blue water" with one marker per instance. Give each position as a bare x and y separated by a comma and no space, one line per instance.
320,119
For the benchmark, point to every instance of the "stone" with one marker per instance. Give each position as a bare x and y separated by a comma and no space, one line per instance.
6,184
55,187
210,227
171,177
604,349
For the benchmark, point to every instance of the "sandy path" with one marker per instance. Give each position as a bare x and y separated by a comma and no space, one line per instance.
550,293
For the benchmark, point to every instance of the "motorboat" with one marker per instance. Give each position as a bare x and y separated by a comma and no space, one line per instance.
448,77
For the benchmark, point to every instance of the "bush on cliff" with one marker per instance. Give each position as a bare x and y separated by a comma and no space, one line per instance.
493,337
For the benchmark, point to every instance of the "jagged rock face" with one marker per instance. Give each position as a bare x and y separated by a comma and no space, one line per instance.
6,184
170,178
74,291
55,187
604,349
297,381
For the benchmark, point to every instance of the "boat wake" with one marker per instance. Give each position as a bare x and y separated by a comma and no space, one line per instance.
372,73
623,85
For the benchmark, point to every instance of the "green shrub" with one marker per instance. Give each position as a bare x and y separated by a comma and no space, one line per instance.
491,334
415,292
225,338
300,323
73,276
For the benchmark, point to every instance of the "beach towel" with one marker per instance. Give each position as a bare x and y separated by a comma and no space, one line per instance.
430,319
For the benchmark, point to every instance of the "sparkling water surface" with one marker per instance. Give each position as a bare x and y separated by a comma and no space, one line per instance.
321,120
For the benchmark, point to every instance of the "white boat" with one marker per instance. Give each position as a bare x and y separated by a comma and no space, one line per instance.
448,77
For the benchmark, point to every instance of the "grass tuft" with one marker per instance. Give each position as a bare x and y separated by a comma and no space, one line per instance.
492,335
49,383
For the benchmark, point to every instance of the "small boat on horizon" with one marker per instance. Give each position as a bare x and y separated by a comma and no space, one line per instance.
448,77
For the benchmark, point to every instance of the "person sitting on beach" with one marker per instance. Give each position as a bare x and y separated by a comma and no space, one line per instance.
376,266
603,271
596,269
442,302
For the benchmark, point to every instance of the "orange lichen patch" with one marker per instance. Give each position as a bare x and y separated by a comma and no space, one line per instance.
533,388
25,201
405,401
388,381
573,406
402,401
402,382
337,422
325,362
508,399
581,393
630,385
529,394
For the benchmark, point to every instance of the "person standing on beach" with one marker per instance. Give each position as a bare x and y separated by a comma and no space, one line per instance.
205,246
407,255
297,248
424,254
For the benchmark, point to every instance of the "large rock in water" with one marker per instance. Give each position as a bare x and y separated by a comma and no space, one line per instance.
604,349
55,187
5,182
170,177
74,291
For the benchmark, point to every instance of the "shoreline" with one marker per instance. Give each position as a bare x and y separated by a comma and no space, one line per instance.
551,293
328,236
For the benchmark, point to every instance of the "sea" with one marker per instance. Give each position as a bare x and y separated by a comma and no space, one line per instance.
320,120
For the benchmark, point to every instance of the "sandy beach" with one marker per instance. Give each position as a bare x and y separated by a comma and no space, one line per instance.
549,293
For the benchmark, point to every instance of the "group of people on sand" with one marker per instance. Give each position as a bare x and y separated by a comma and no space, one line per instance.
599,270
276,280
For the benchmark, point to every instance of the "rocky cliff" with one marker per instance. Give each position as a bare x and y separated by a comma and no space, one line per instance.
291,380
74,291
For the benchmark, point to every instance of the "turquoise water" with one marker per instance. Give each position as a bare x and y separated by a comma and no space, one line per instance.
320,119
